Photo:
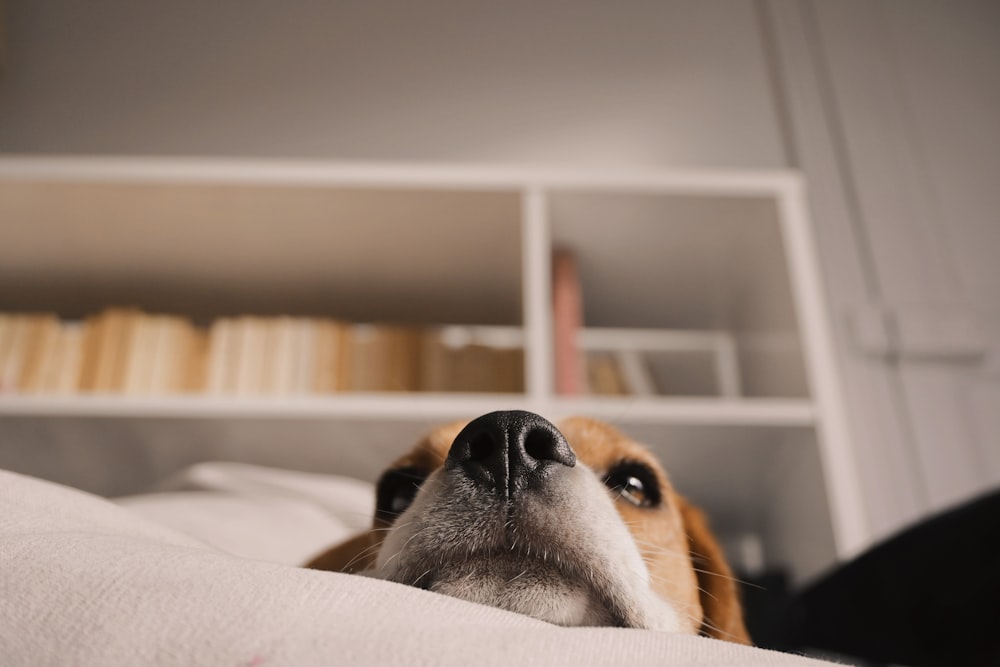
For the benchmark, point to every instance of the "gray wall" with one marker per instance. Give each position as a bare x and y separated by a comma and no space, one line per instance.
645,82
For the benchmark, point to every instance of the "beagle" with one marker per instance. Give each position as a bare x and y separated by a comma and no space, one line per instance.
576,525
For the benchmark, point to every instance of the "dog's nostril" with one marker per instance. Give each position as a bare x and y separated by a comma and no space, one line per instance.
481,447
545,445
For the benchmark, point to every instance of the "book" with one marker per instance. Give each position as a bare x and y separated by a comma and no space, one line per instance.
141,356
270,363
383,358
304,361
250,361
6,336
15,339
173,349
125,351
475,369
329,367
567,318
437,361
635,373
222,357
162,356
63,374
40,338
193,365
508,370
454,359
107,337
400,369
283,356
604,377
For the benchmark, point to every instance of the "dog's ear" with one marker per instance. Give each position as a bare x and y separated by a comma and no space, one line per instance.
355,555
720,602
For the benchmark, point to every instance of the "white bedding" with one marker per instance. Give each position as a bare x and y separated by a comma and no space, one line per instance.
86,582
263,513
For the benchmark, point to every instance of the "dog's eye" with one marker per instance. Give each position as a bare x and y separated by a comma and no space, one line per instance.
635,483
396,490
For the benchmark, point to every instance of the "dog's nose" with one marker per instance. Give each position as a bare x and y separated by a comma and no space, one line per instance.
505,452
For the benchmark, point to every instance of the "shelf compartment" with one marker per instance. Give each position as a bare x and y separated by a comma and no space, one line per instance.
667,362
205,250
705,263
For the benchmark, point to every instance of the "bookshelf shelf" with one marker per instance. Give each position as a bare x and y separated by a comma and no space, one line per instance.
706,278
369,406
734,412
749,412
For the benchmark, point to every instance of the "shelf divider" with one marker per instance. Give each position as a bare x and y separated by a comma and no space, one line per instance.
537,286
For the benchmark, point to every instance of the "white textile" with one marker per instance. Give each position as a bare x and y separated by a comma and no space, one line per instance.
86,582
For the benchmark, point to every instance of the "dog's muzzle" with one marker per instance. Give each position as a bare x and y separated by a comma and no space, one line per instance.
513,521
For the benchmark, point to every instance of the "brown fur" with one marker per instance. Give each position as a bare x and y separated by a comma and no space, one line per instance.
685,561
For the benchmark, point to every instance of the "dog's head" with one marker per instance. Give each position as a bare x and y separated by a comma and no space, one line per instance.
576,526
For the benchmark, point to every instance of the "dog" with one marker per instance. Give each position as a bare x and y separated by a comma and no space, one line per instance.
576,525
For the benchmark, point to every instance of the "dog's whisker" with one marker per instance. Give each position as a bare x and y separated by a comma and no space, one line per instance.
426,572
370,549
361,555
723,634
517,576
405,544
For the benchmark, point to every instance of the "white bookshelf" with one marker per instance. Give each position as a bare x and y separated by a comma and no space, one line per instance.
713,263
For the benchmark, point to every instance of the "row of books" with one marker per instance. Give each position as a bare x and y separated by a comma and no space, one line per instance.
126,351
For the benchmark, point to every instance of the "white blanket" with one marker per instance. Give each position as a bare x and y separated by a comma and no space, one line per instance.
86,582
262,513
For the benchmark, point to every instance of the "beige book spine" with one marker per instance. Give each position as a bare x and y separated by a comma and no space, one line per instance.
244,359
141,357
195,362
345,350
112,349
363,358
325,361
508,370
434,362
218,354
65,374
603,375
91,334
6,341
39,347
284,356
156,380
270,364
398,362
172,362
13,359
305,356
50,369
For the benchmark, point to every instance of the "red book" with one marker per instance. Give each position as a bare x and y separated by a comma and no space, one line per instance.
567,318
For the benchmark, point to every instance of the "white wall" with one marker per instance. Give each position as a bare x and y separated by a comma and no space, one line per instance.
895,116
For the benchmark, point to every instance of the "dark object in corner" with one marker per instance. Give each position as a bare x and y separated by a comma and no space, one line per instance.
765,600
928,596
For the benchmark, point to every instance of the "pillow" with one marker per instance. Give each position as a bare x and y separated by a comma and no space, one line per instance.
257,512
83,581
